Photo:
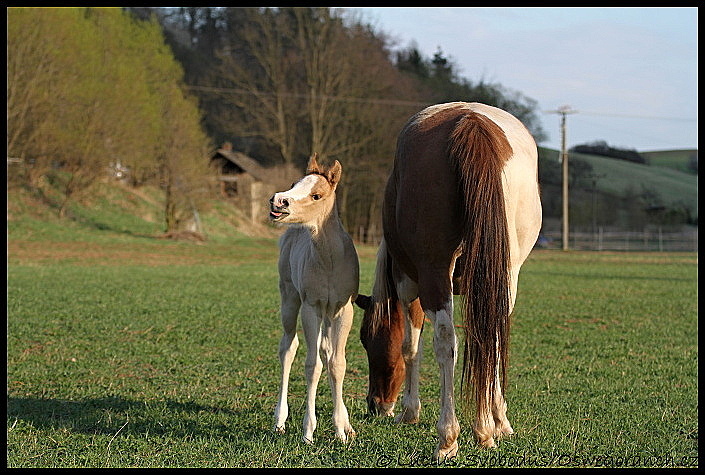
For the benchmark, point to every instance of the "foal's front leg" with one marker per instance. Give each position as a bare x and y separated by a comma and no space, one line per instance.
290,304
311,322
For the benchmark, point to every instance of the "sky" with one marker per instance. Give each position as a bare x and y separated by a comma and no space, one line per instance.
629,74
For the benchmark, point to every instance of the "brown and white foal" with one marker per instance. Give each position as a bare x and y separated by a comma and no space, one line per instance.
318,278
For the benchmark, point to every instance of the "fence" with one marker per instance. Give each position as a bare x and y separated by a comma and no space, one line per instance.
647,240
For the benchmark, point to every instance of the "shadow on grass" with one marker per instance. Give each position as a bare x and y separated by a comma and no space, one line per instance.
113,415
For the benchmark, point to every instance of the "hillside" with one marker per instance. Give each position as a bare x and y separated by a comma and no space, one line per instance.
116,211
672,185
676,159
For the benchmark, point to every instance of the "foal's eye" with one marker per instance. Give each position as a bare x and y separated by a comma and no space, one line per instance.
316,196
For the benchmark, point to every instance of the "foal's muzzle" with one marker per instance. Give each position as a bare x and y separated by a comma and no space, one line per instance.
278,211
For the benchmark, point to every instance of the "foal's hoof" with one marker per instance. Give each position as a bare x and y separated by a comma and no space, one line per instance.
346,436
280,429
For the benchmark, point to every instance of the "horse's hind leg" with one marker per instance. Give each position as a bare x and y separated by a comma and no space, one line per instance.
445,347
311,323
337,336
287,350
502,427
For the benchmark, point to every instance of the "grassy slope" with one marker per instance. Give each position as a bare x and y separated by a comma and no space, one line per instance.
671,184
676,159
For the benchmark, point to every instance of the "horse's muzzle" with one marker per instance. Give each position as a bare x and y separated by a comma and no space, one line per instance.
377,407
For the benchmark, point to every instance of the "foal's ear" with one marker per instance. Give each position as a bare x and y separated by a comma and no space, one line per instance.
313,166
334,173
363,301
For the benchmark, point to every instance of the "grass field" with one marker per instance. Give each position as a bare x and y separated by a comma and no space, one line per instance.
136,352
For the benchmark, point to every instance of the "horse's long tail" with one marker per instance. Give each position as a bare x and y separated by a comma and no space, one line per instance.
480,149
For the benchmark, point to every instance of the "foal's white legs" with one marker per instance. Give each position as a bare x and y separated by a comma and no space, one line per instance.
287,350
326,339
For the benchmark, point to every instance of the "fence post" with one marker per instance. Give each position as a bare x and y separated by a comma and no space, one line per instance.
660,240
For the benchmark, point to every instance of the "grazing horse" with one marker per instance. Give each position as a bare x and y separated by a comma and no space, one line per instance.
318,277
461,213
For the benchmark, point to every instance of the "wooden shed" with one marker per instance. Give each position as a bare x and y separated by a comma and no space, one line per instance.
243,181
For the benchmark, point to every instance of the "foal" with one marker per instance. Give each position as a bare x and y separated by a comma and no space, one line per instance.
318,277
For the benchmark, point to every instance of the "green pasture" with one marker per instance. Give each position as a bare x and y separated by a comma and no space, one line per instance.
145,353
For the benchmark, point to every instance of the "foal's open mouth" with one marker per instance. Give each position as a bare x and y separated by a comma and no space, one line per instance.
275,215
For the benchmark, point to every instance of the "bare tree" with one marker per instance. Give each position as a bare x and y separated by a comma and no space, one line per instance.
260,67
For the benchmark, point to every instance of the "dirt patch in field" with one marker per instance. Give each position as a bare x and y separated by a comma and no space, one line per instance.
92,254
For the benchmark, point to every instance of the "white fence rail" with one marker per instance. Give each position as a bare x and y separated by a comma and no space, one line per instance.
651,240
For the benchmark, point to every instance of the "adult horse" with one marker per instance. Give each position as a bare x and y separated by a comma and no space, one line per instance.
461,206
318,276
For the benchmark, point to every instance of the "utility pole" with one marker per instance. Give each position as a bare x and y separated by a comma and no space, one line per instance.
564,110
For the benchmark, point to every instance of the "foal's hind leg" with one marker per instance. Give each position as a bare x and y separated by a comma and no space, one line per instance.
287,350
337,336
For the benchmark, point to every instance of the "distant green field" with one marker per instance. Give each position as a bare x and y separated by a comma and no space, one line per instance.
146,353
618,175
676,159
665,176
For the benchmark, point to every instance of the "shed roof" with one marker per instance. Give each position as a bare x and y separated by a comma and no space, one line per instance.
248,164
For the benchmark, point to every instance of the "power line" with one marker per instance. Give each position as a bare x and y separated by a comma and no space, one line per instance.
632,116
232,90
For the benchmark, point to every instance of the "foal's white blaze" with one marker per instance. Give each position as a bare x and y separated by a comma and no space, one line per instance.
299,191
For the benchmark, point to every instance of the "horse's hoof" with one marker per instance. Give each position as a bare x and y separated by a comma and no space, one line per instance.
505,432
446,453
280,429
488,443
407,417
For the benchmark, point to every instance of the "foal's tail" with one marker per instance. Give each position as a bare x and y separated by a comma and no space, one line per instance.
480,149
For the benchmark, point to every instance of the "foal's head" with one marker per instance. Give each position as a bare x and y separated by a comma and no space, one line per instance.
383,343
309,199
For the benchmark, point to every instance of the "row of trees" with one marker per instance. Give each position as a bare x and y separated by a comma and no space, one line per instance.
156,88
91,87
282,83
600,147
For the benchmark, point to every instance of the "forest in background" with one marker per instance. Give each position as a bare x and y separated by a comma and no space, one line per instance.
156,90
